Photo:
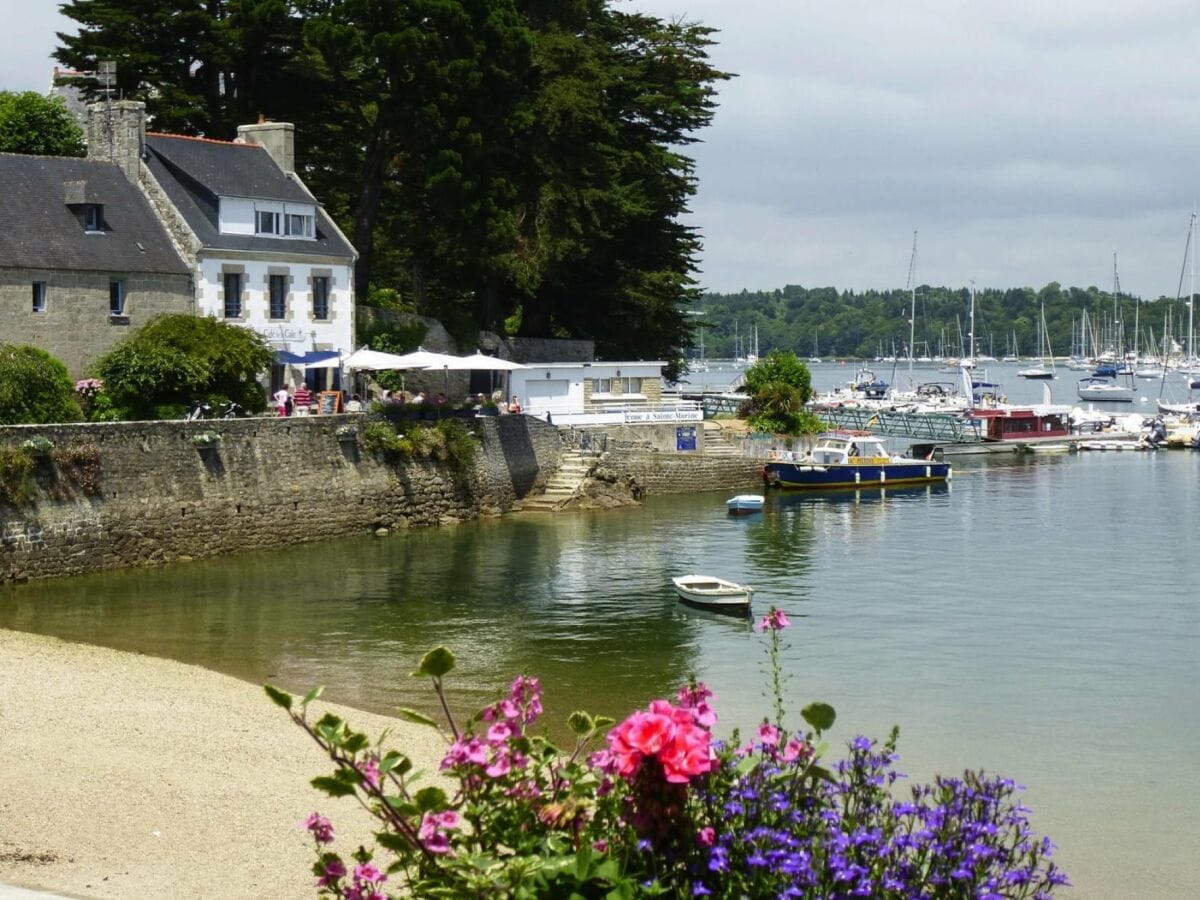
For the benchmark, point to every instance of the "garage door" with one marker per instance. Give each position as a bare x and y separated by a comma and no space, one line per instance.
551,395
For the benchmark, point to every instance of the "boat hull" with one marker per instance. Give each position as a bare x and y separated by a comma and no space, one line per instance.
793,476
744,504
714,594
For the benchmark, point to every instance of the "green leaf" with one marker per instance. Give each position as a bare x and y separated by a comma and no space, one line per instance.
430,799
312,695
332,786
602,722
436,663
392,760
747,764
392,841
281,698
819,715
411,715
580,723
822,773
356,742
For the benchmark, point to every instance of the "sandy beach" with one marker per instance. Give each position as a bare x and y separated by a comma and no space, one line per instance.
131,776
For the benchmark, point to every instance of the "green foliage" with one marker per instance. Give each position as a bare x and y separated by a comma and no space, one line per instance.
393,337
34,387
777,388
17,487
174,361
42,126
446,441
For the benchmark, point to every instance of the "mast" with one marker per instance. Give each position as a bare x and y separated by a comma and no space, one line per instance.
1192,288
912,317
971,332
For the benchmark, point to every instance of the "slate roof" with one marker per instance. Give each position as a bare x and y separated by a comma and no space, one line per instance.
196,172
42,232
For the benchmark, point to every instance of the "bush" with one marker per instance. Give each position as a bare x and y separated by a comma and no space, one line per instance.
17,487
664,809
34,387
42,126
447,441
777,388
175,361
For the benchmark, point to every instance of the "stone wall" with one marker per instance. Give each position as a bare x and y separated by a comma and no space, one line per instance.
668,473
267,482
76,326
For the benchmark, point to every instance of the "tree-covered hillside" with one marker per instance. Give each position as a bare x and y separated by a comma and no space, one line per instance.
875,323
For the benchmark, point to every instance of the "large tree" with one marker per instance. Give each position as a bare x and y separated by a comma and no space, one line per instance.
31,123
512,161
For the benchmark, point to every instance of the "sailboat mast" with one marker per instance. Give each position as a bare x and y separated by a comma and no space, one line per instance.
971,332
1192,289
912,315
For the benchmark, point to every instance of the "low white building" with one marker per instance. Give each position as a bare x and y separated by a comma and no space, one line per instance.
598,393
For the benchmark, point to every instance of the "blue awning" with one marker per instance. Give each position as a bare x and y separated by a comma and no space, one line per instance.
312,358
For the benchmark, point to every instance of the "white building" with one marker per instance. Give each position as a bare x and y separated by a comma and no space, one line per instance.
597,393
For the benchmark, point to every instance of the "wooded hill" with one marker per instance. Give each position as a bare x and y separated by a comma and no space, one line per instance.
875,323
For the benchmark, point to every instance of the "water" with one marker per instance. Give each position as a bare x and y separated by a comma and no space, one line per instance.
1037,617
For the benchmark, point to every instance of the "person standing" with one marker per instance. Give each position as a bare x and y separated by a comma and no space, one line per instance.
282,398
302,399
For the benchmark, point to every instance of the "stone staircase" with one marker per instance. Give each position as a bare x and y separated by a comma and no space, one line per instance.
563,486
715,442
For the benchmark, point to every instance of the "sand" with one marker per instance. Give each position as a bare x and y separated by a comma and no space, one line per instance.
131,776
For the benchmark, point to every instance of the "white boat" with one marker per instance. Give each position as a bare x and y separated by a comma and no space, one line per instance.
1105,390
710,592
745,503
1044,352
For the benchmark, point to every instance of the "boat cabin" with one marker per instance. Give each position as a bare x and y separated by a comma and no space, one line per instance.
849,448
1021,424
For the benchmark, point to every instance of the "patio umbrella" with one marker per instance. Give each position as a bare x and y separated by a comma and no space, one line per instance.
322,359
377,360
477,362
425,359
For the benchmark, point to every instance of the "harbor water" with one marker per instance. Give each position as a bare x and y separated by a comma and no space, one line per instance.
1037,617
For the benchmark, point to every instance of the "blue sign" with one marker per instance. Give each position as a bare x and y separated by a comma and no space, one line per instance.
685,437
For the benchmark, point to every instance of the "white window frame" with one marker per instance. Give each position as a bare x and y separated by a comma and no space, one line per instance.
269,217
116,292
302,220
39,296
93,220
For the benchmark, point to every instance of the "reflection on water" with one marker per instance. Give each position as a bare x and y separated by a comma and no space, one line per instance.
1036,617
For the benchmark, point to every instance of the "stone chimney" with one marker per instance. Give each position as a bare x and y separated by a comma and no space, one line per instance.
116,132
277,138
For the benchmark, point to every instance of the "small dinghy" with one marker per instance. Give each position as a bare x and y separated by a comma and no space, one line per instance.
709,592
744,503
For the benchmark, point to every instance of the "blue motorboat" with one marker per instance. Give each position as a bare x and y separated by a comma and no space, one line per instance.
848,459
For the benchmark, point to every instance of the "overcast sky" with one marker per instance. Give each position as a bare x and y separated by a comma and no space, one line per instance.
1027,141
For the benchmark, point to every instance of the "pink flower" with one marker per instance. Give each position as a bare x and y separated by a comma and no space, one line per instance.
666,732
368,873
600,846
775,620
334,870
321,828
500,766
369,769
499,733
768,734
794,750
706,836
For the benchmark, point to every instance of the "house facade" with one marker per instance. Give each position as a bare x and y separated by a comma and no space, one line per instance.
598,393
84,260
262,252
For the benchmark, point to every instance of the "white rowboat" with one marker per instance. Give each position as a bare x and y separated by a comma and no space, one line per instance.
710,592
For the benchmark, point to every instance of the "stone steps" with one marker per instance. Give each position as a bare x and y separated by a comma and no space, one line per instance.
715,442
562,486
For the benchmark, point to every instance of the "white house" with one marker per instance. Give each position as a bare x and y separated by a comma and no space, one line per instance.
595,393
263,252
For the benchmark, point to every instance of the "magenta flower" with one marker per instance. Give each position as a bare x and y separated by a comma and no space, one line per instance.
368,873
706,836
499,733
321,828
775,620
335,869
369,769
600,846
768,734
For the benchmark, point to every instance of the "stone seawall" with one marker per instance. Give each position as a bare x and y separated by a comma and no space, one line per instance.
668,473
153,496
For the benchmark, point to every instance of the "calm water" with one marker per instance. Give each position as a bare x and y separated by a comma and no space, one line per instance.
1036,618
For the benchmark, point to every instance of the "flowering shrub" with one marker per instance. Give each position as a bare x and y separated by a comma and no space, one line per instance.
663,809
206,439
38,446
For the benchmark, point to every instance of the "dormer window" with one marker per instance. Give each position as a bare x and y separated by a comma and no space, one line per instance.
266,222
299,225
93,219
274,223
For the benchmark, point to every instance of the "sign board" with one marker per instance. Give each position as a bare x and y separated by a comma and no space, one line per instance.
664,415
685,437
329,403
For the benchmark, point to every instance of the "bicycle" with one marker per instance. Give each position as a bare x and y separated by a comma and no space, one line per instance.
231,409
200,411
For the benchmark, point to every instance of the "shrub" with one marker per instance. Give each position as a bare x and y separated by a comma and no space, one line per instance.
447,441
34,387
777,388
174,361
664,809
17,487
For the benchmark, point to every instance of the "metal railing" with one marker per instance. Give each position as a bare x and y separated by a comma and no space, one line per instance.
917,426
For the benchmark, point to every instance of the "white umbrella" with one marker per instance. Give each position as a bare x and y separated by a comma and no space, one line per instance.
376,360
425,359
477,362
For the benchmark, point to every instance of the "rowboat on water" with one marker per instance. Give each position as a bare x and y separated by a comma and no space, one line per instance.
710,592
745,503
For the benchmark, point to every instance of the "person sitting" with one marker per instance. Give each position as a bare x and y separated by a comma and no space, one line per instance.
418,397
354,404
302,399
514,405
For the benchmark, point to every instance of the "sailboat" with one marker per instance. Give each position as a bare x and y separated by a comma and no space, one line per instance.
815,358
1040,371
700,365
1102,384
1014,354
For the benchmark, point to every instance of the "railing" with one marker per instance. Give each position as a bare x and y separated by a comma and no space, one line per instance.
918,426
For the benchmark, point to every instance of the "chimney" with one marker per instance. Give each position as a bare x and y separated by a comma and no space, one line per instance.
277,138
116,132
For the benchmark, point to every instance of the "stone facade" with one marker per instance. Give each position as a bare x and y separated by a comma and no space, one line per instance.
267,482
75,325
665,473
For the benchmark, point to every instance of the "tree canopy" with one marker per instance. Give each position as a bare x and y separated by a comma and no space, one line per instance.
777,387
175,361
507,163
35,387
42,126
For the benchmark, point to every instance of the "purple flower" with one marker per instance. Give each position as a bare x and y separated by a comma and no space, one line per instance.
321,828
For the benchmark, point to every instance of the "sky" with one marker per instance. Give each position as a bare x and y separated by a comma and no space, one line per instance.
1025,142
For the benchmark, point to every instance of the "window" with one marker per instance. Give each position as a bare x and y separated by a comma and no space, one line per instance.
632,386
320,292
233,295
39,296
266,222
116,298
278,286
299,225
602,386
91,218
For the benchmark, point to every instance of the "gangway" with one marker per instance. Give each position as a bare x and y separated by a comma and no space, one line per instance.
938,427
